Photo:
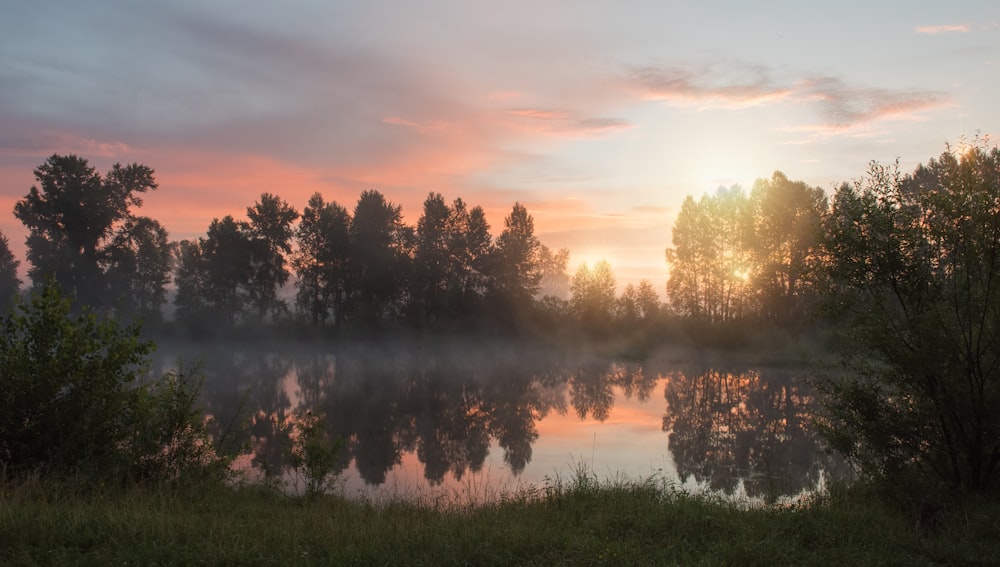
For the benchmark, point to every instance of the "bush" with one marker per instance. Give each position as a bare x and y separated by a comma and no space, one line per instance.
914,272
75,401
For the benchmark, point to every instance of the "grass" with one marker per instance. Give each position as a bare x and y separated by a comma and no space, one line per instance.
577,521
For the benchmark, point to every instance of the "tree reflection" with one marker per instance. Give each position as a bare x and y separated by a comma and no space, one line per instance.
727,427
447,404
592,386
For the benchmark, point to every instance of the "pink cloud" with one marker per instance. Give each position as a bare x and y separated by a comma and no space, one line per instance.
944,28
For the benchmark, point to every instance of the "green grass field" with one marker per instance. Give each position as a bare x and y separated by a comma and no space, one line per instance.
574,522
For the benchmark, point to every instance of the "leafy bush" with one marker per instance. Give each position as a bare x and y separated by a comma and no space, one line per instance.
312,454
74,400
914,272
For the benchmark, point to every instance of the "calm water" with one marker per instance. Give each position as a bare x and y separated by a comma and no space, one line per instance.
470,421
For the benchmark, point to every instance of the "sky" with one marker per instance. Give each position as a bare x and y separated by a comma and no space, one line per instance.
600,117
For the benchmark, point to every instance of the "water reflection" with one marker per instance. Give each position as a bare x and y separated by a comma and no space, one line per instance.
451,405
745,426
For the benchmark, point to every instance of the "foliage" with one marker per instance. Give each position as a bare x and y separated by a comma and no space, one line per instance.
555,277
321,261
72,401
736,257
517,275
709,260
139,264
380,257
787,234
593,299
313,454
269,232
914,263
10,284
450,273
78,226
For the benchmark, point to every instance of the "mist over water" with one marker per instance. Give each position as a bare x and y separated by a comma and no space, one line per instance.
473,420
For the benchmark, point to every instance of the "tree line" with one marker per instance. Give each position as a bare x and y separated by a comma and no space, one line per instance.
354,270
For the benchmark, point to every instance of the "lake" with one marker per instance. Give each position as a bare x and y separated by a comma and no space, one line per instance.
470,421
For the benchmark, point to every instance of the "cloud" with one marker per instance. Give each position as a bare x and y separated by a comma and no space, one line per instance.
945,28
34,141
842,108
708,88
422,127
845,106
566,124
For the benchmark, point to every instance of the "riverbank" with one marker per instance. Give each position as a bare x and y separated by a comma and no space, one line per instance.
574,522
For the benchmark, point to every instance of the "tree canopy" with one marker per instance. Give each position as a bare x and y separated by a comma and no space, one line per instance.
79,222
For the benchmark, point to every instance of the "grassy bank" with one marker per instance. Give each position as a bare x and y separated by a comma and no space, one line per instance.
578,522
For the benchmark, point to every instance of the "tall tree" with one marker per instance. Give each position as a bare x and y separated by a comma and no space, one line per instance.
227,256
380,256
627,305
788,218
555,276
434,269
708,262
517,274
593,291
72,215
191,281
321,260
270,232
10,284
139,265
648,300
471,248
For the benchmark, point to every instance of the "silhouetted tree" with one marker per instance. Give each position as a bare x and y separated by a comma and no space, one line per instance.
915,264
470,247
380,257
516,275
321,261
435,272
139,267
10,284
214,275
270,233
450,261
73,216
190,279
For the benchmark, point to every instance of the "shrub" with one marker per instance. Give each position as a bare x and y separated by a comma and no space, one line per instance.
75,400
915,275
